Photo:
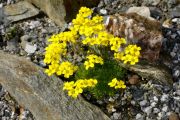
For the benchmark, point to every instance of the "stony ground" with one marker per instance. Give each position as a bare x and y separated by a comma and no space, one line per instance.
145,100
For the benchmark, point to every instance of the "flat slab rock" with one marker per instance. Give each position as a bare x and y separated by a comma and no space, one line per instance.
41,94
19,11
158,73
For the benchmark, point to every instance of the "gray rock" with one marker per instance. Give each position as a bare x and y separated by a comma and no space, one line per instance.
34,24
175,12
143,103
139,117
178,92
42,64
165,108
164,98
25,38
43,95
172,54
116,116
30,49
148,110
19,11
156,110
155,98
12,45
143,11
153,104
44,31
160,115
133,102
151,2
103,11
176,73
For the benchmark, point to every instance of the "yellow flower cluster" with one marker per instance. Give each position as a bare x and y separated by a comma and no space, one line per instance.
117,84
86,30
116,43
65,68
86,26
75,88
56,50
92,59
131,54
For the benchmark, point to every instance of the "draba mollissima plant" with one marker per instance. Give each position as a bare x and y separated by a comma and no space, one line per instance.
88,37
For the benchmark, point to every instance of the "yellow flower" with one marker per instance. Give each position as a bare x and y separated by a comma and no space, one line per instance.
113,82
120,84
68,85
117,84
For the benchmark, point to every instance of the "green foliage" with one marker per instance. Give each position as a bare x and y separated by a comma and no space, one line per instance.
104,74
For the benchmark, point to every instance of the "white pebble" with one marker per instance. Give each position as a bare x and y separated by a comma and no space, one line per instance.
103,11
148,110
165,108
143,103
139,116
156,110
155,98
153,104
164,98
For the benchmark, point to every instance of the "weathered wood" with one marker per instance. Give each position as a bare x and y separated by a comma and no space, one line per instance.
42,94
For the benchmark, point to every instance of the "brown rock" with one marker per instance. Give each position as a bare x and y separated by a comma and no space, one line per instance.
41,94
173,116
61,11
134,79
137,30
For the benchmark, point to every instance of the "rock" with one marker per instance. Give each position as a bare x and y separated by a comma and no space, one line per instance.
134,79
151,2
148,110
139,117
61,11
137,30
103,11
138,94
19,11
143,103
12,45
153,104
25,38
155,98
175,12
156,73
41,94
173,116
167,23
116,116
165,108
30,49
143,11
164,98
34,24
156,13
156,110
44,31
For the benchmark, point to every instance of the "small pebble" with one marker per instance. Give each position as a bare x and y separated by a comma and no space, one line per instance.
143,103
103,11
